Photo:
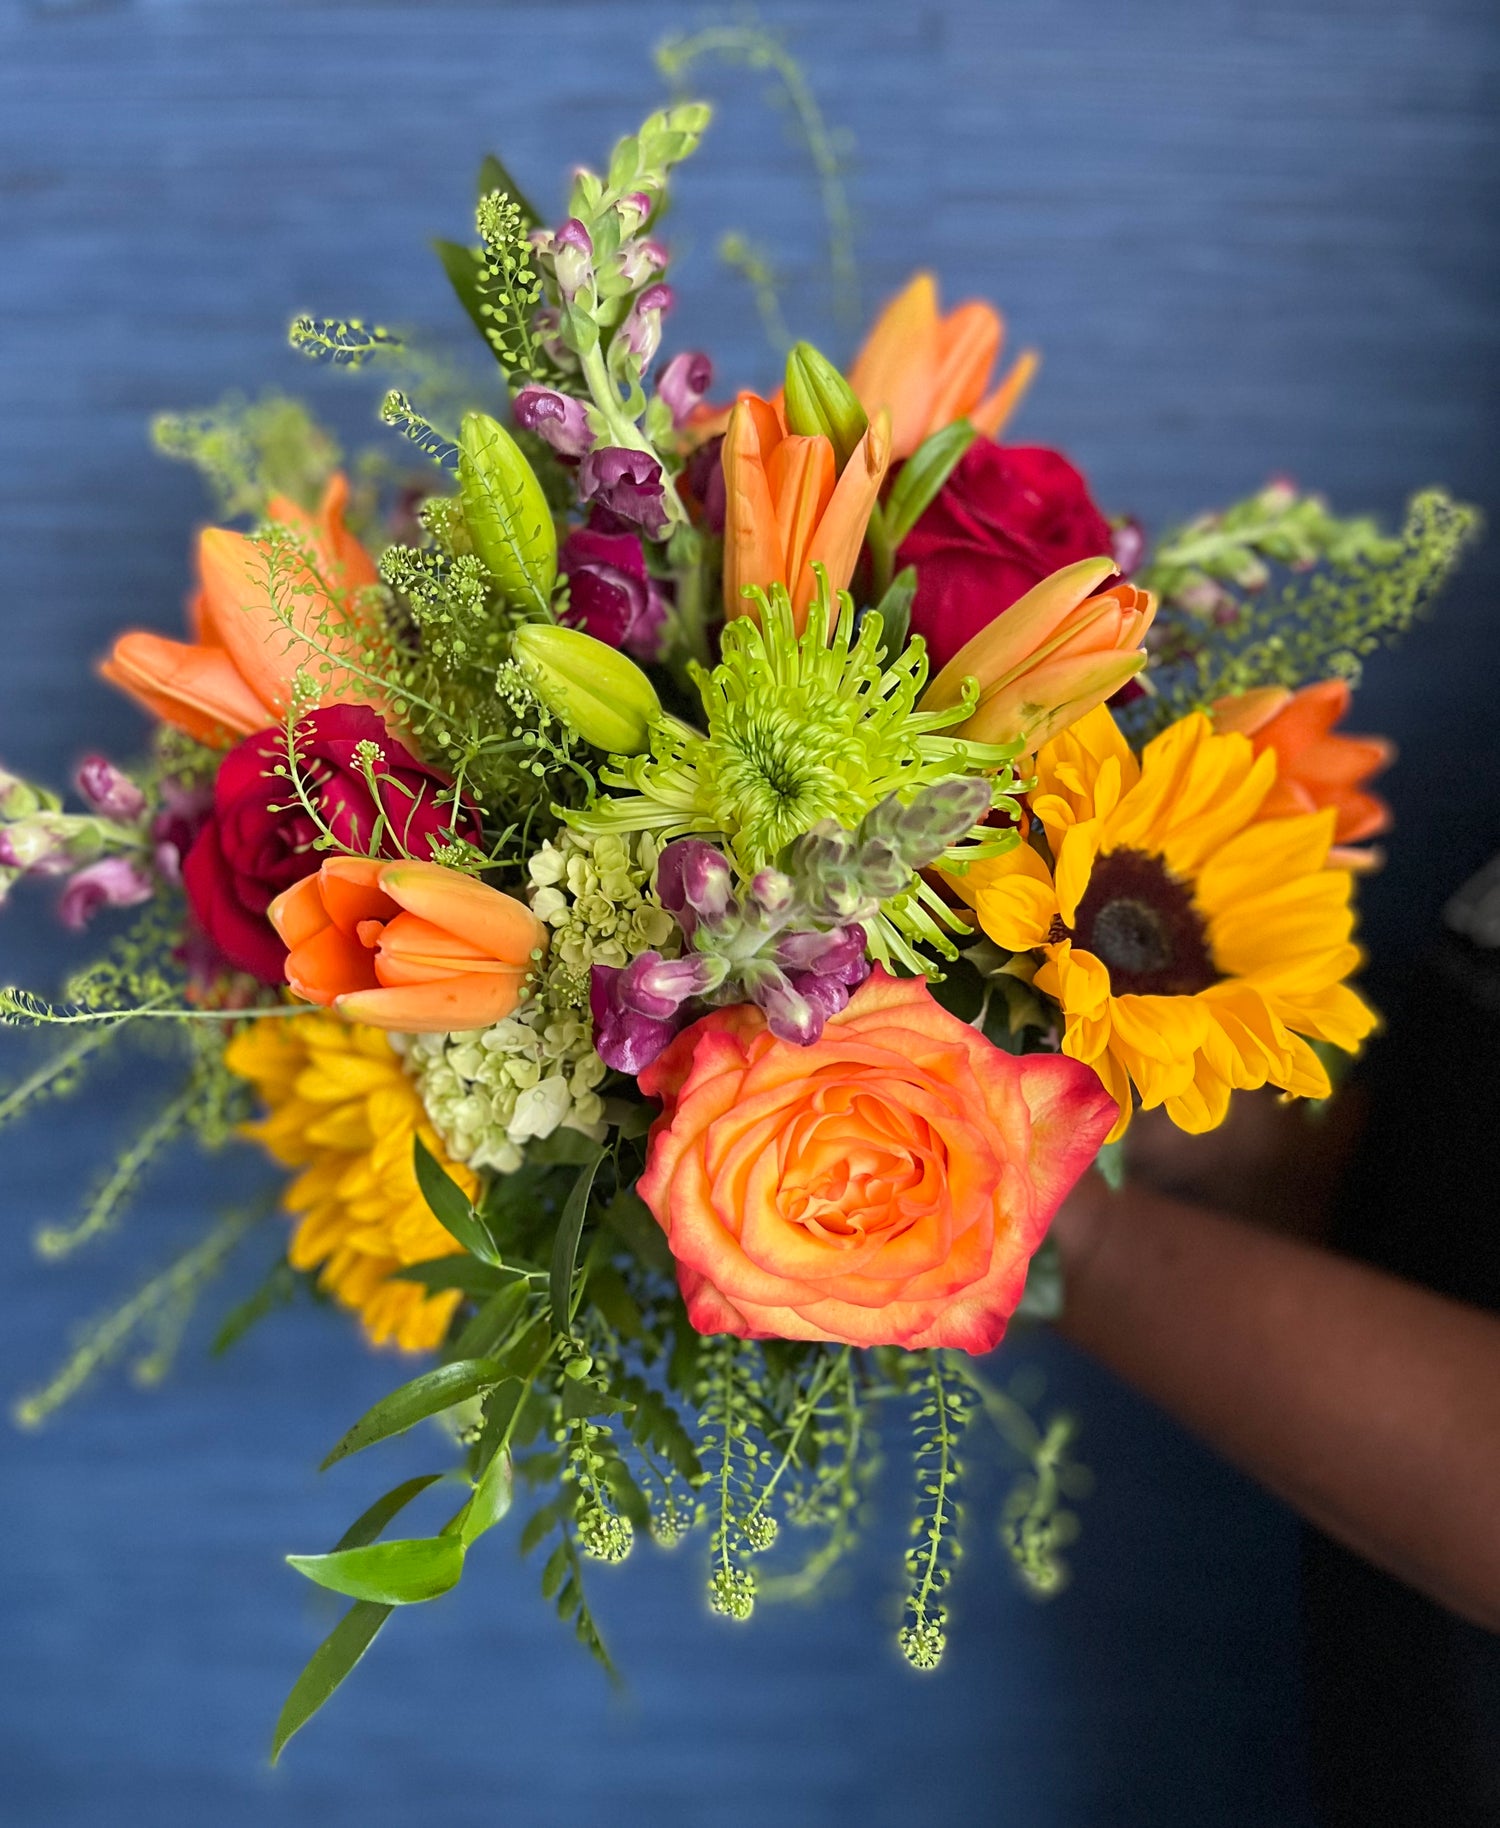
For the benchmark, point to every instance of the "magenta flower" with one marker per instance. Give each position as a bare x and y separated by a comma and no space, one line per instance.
611,594
113,882
628,483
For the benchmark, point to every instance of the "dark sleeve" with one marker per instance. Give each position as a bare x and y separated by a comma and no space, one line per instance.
1404,1698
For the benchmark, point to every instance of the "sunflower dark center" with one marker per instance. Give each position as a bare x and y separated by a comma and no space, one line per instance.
1142,923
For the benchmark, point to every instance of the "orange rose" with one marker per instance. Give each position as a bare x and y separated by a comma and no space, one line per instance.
885,1186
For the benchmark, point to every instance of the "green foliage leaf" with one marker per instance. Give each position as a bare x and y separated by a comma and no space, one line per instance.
276,1291
923,475
427,1395
401,1573
629,1217
370,1523
491,1500
328,1666
894,610
494,1322
565,1246
506,512
450,1206
461,1272
464,267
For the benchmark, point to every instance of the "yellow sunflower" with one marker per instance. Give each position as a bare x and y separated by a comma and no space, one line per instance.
340,1108
1192,944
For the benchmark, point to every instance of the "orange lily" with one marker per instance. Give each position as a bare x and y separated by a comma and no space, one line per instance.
409,946
787,507
1315,767
928,368
1063,648
235,675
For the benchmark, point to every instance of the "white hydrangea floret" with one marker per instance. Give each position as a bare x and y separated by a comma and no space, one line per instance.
493,1090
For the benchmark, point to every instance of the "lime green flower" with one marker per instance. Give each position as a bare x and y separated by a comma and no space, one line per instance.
800,730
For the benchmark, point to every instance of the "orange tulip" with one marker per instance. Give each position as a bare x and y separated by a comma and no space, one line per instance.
787,507
409,946
1052,656
928,368
235,676
1314,767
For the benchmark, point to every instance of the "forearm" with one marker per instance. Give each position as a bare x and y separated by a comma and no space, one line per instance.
1369,1404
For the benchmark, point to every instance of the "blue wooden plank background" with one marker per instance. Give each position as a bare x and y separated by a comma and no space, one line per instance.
1249,238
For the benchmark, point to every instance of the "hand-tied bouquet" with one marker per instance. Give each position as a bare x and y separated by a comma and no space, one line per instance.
689,888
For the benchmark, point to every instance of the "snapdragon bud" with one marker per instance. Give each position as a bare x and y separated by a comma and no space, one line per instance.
839,952
790,1016
559,418
113,882
640,331
111,793
820,401
637,261
594,688
657,986
37,846
694,883
633,209
683,383
941,815
572,251
773,891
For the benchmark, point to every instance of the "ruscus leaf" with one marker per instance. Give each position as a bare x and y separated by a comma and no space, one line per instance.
450,1205
429,1394
400,1573
326,1668
565,1247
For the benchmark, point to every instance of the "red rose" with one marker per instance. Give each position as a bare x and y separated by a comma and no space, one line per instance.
260,838
1006,518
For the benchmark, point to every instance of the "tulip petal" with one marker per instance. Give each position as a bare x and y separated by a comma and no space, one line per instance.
841,532
196,689
351,892
497,926
802,473
752,543
452,1006
989,417
898,363
1248,712
325,965
968,341
298,913
1011,638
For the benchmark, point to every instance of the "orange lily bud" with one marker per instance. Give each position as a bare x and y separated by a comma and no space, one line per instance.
409,946
236,674
788,508
1063,648
1315,766
928,369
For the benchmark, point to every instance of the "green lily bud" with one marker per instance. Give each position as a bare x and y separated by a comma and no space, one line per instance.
594,688
506,512
819,399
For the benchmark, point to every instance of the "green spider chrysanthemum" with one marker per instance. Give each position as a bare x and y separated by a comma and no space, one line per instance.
800,729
